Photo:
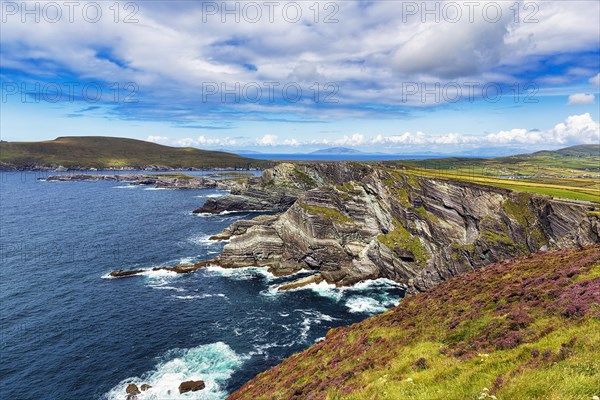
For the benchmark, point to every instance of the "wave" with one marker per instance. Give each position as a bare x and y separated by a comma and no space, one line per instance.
311,317
163,287
363,304
211,196
370,296
158,188
200,296
241,274
213,363
125,187
203,239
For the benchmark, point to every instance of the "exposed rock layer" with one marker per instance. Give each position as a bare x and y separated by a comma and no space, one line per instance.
353,222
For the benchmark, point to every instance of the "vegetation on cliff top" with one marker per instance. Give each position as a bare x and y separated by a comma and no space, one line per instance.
570,173
522,329
110,152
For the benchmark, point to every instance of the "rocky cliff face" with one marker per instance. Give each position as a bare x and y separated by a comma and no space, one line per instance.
353,222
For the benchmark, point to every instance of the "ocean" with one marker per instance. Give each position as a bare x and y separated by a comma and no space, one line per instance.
67,331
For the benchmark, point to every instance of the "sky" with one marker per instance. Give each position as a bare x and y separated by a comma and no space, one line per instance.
296,76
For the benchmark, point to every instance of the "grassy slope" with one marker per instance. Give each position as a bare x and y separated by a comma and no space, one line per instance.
569,161
570,173
102,152
524,329
573,189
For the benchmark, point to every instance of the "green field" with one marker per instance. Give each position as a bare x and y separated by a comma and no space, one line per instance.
572,173
109,152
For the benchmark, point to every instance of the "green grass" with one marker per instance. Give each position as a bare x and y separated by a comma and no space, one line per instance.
564,190
401,240
526,329
570,173
110,152
328,214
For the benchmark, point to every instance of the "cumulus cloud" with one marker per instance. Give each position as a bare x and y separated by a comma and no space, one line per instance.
581,98
200,141
157,139
595,80
370,67
268,140
576,129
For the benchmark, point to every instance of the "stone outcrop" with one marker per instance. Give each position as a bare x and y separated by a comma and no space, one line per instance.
358,222
191,386
166,181
316,278
132,388
279,187
179,269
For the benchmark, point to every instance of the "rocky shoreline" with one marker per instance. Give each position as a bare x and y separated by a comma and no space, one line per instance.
351,222
165,181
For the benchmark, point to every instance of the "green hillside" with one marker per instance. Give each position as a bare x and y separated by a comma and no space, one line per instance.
567,162
107,152
522,329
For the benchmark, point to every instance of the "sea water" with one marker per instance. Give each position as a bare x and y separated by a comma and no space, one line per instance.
68,331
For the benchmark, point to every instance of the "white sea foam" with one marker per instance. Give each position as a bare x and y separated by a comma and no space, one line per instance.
323,289
371,305
370,284
163,287
241,274
125,187
199,296
213,363
213,195
187,260
311,317
202,239
158,188
363,304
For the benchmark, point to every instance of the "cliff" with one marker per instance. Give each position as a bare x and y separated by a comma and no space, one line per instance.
522,329
352,222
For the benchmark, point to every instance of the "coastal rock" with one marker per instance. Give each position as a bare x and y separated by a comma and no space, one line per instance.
145,387
415,230
165,181
132,388
191,386
279,187
317,278
180,269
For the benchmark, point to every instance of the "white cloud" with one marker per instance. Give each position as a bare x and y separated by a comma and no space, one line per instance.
581,98
576,129
157,139
291,142
371,66
201,141
595,80
268,140
185,142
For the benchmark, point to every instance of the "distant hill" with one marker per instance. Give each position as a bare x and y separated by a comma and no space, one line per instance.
111,152
582,150
337,150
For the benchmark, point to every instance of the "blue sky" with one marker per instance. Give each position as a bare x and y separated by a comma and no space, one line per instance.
388,76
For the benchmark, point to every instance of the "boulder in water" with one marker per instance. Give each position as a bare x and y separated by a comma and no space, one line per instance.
191,386
145,387
132,388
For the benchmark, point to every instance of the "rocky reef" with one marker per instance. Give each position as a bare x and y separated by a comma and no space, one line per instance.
352,222
166,181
